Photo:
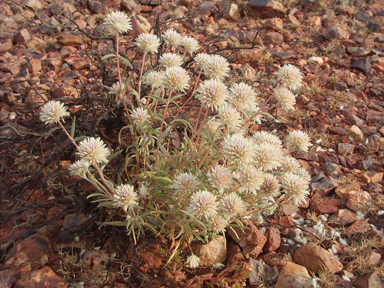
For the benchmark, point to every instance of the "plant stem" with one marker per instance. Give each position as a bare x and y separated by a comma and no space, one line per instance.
141,75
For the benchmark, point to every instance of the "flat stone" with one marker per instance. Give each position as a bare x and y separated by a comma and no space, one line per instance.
294,276
360,16
274,37
315,259
357,51
139,25
69,40
211,253
373,117
273,259
325,186
337,130
131,5
22,36
356,133
336,33
275,24
362,65
259,271
372,177
342,218
360,226
266,9
273,240
333,170
345,148
72,223
35,5
353,120
99,6
346,10
9,277
325,205
358,200
44,277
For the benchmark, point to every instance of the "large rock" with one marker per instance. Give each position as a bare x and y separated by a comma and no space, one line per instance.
69,40
99,6
139,25
336,33
44,277
213,252
266,9
294,276
362,65
315,259
131,6
358,200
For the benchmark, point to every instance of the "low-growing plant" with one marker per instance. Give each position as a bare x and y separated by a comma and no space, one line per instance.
217,172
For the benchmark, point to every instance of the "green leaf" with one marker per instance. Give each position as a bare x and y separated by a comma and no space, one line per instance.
177,96
109,203
108,56
73,127
115,223
95,195
126,61
159,98
77,139
111,186
182,121
114,155
268,115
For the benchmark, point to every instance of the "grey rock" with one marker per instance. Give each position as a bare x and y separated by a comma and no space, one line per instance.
266,9
362,65
360,16
336,33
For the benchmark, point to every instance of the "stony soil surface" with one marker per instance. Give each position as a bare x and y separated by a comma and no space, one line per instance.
50,232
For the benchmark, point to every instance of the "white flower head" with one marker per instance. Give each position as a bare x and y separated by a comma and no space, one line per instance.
170,59
193,261
232,205
238,149
79,168
289,164
250,179
154,79
176,79
295,187
217,67
290,76
298,141
53,112
241,96
212,125
191,45
116,89
285,98
229,116
220,178
139,116
201,60
172,38
149,43
186,183
212,93
218,225
267,138
203,205
143,190
125,197
267,157
117,22
303,173
270,187
93,150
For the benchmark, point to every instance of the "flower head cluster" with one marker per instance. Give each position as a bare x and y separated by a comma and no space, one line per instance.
154,79
53,112
217,67
186,183
149,43
191,45
170,59
79,168
250,179
285,98
125,197
212,93
176,79
238,149
298,141
218,225
203,205
220,178
241,96
117,22
229,116
93,150
270,187
267,138
139,116
267,157
201,60
193,261
295,187
172,37
290,76
232,205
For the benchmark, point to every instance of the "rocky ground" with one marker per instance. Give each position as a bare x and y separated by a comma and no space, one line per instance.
50,232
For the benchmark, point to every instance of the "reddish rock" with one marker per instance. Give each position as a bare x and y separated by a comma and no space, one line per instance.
373,117
345,148
72,223
346,10
358,200
293,276
44,277
151,257
139,25
333,170
278,260
372,177
336,33
315,258
360,226
14,66
370,280
99,6
9,277
324,187
35,65
266,9
69,40
343,190
325,205
342,217
95,262
274,37
273,240
5,46
233,252
22,36
275,24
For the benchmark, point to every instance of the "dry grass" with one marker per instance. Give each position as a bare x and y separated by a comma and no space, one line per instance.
327,279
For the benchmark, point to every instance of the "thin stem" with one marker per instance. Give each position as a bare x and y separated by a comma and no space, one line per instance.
260,109
141,75
69,136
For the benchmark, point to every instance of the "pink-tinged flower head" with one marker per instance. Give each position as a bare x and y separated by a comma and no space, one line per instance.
218,225
53,112
241,96
220,178
193,261
201,60
170,59
186,183
93,150
267,138
229,116
267,157
117,22
232,205
154,79
238,149
289,164
250,179
270,187
149,43
139,115
79,168
212,93
125,197
203,205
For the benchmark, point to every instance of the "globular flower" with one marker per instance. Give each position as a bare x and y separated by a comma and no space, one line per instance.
172,37
303,173
176,79
250,179
267,138
170,59
231,205
290,76
298,141
285,98
193,261
217,67
143,190
212,93
149,43
238,149
212,125
267,157
295,187
241,96
53,112
186,183
190,44
79,168
116,89
220,178
289,164
139,115
229,116
203,205
118,22
218,225
93,150
154,79
201,60
125,197
270,187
